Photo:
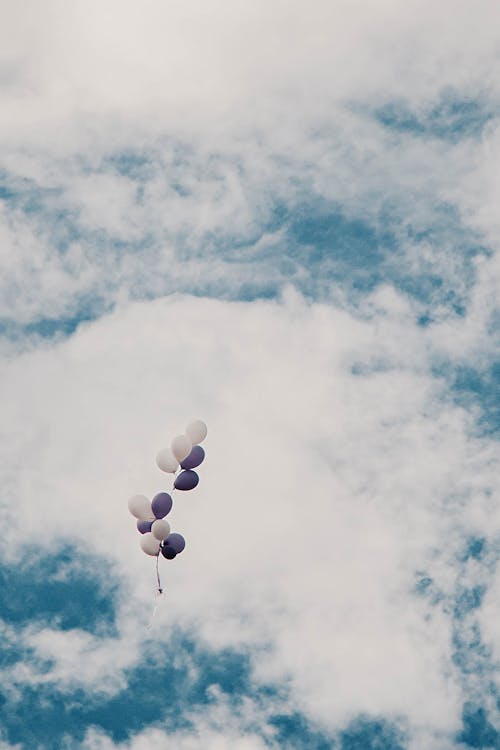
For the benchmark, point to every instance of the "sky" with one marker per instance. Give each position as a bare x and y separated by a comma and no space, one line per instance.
281,218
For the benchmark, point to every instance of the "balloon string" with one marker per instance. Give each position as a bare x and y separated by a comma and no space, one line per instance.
160,590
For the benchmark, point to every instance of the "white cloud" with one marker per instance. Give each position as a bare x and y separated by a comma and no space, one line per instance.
323,492
192,67
235,111
216,727
203,221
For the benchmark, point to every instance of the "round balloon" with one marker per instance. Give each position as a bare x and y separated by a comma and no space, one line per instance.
160,529
161,504
144,526
194,459
181,447
140,507
168,552
186,480
176,541
196,431
166,461
149,544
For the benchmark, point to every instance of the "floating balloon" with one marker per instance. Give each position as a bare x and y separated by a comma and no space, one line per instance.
196,431
149,544
166,461
140,507
186,480
155,534
161,504
181,447
160,530
176,542
194,459
168,552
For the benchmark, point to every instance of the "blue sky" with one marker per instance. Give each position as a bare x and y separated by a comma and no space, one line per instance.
282,220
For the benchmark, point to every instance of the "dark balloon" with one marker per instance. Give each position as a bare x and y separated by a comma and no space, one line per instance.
186,480
194,459
144,526
161,504
168,552
176,542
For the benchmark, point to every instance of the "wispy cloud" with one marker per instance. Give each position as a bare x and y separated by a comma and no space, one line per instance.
283,219
310,528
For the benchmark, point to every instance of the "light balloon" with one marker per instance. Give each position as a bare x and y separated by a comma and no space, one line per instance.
160,529
196,431
181,447
140,507
166,461
149,544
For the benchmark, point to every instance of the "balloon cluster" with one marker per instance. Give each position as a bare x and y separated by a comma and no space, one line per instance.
185,453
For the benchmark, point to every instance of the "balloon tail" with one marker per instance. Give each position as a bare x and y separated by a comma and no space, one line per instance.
159,594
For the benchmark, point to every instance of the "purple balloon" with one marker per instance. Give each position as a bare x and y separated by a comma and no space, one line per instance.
144,526
186,480
161,504
168,552
194,459
176,542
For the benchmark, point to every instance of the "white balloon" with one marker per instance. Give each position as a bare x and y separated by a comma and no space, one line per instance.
149,544
181,447
160,529
166,461
196,431
140,507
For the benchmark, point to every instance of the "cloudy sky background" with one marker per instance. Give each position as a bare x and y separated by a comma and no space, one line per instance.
282,218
